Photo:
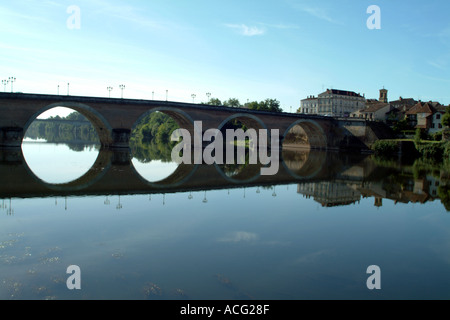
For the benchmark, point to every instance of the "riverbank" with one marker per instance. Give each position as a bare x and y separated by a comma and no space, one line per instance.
435,151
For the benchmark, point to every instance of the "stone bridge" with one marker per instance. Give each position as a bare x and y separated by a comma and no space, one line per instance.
114,120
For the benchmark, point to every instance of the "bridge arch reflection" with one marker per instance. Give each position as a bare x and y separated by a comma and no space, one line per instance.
182,174
114,173
95,173
304,164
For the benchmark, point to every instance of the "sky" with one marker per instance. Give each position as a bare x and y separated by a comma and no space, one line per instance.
249,50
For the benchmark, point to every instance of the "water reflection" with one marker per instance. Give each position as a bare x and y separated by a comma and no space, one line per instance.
329,178
58,163
308,232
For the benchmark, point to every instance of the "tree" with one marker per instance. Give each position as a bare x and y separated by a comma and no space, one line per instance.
271,105
446,118
232,102
214,102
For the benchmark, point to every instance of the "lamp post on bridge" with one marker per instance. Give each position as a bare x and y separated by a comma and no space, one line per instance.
208,95
167,95
68,86
122,86
193,97
4,83
109,89
12,80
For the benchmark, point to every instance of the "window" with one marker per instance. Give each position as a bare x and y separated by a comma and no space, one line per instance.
438,116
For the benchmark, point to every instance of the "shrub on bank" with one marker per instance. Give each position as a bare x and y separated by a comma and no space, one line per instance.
385,148
433,151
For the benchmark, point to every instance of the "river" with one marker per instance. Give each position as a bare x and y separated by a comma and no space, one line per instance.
292,239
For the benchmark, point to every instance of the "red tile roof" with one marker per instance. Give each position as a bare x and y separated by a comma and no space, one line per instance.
421,107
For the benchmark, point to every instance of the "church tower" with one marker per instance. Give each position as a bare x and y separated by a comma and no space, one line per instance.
383,95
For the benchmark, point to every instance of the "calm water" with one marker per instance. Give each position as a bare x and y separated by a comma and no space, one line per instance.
285,239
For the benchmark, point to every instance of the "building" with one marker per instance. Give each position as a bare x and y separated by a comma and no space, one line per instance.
374,111
332,102
403,104
383,96
309,105
426,116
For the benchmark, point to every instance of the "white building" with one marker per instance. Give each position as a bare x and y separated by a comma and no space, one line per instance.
332,102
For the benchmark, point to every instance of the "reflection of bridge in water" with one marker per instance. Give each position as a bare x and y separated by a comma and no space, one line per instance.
113,173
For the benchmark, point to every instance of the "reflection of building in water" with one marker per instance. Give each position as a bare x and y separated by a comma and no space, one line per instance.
329,194
433,185
339,193
419,190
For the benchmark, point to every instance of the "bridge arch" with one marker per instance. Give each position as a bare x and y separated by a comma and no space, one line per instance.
250,120
101,125
315,134
183,171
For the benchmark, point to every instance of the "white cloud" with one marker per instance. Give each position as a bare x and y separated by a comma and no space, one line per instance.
280,26
317,12
246,30
439,64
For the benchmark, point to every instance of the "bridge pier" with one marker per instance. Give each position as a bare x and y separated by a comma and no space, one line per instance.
120,138
11,137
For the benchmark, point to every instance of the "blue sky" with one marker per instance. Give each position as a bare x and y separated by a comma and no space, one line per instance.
286,49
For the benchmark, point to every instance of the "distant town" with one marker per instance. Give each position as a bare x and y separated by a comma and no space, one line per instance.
410,113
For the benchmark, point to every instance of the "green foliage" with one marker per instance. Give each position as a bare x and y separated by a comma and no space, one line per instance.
271,105
214,102
58,132
418,137
432,151
156,125
232,102
386,148
446,118
444,194
150,140
436,136
401,126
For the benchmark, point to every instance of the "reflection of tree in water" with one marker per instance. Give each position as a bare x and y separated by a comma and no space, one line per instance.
444,195
78,133
241,163
150,140
147,152
242,169
238,165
